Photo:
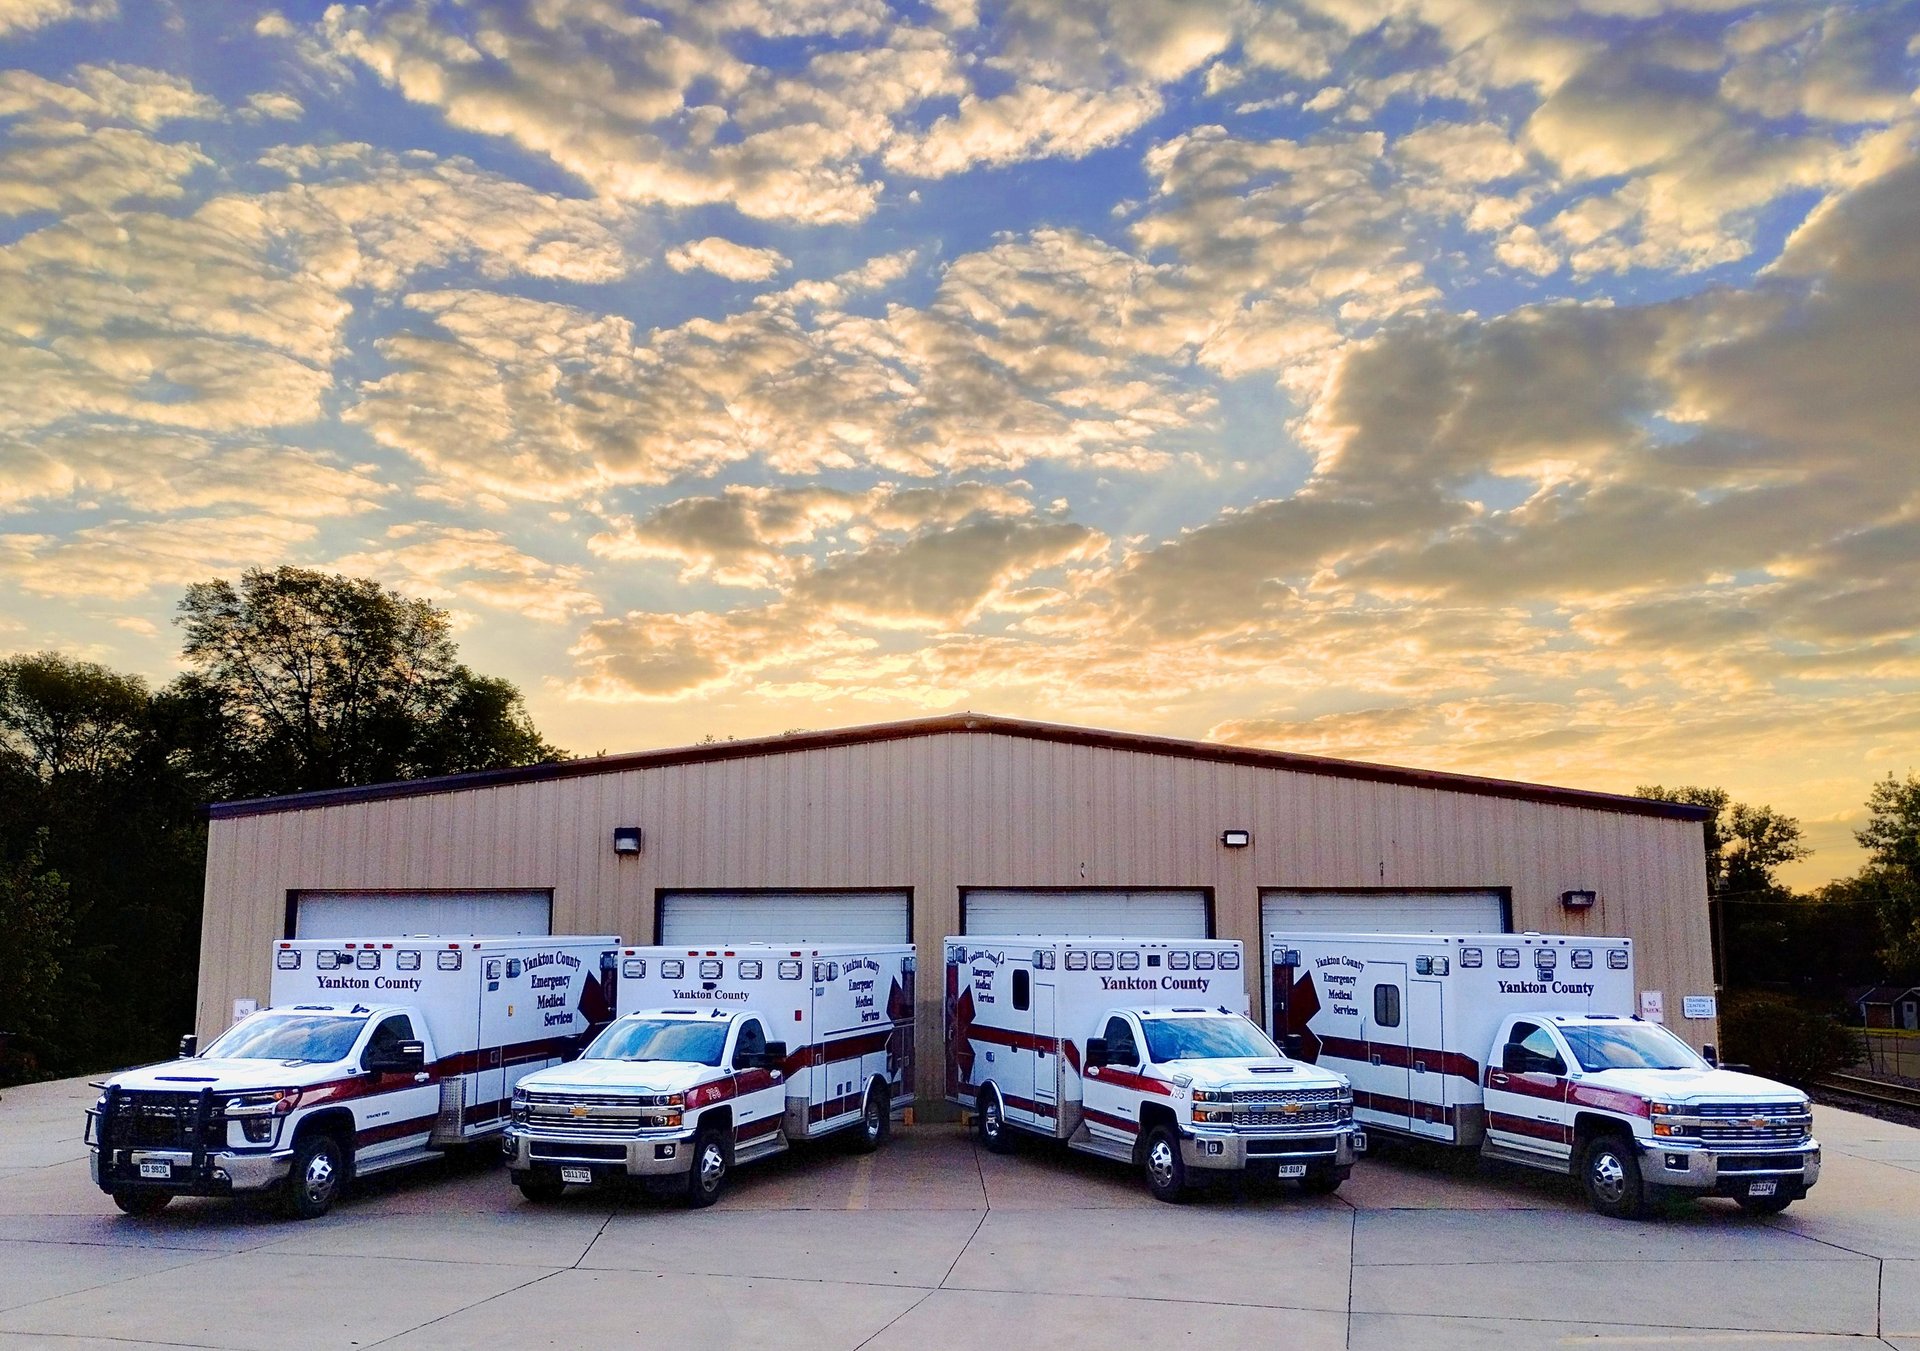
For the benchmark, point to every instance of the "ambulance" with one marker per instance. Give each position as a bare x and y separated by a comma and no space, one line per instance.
1527,1048
375,1052
727,1054
1137,1050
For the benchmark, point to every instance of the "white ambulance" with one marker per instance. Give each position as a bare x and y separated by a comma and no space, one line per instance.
1137,1050
1527,1047
725,1055
376,1052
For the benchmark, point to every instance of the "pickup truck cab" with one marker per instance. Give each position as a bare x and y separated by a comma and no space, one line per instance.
1632,1112
289,1100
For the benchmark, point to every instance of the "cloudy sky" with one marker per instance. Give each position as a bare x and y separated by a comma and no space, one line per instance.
1527,387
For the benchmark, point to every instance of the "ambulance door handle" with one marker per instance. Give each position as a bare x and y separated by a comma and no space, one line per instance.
1497,1078
1374,1058
1419,1067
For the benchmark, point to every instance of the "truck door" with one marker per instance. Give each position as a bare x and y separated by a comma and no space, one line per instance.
760,1091
487,1087
1013,1064
1046,1058
1527,1093
397,1111
1427,1082
1383,1026
1109,1104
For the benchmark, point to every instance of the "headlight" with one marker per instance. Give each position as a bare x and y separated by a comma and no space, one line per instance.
271,1102
1216,1114
1663,1115
1211,1095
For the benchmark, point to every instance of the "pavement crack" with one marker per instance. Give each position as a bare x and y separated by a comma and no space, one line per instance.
466,1308
611,1212
963,1250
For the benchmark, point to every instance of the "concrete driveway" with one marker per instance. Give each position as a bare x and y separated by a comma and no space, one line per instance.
933,1243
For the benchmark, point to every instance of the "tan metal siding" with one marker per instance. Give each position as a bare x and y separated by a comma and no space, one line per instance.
937,813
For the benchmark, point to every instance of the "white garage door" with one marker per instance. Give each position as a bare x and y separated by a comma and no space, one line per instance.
785,917
1131,914
371,914
1382,912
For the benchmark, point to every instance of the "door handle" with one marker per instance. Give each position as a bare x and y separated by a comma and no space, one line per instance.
1419,1067
1373,1059
1498,1078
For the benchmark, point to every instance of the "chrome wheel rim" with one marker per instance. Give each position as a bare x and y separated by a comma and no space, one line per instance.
1160,1162
1609,1177
990,1119
713,1166
319,1179
874,1116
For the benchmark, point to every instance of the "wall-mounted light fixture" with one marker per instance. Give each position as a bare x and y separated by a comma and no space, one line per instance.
1236,839
1579,900
626,839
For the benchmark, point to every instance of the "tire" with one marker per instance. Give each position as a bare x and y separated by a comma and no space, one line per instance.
1166,1171
542,1186
1764,1205
1324,1181
876,1121
313,1183
990,1119
141,1202
1610,1175
707,1173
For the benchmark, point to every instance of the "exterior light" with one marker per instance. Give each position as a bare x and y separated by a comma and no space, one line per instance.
626,839
1236,839
1578,900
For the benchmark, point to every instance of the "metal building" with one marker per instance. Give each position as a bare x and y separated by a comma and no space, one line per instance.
915,830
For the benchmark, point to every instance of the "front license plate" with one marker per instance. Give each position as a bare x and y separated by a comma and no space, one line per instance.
156,1168
576,1174
1762,1188
1293,1170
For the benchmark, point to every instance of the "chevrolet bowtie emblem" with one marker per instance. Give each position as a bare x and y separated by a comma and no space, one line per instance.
1290,1108
1757,1122
578,1111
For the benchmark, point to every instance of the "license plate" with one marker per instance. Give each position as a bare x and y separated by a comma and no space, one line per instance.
1762,1188
155,1168
576,1174
1293,1170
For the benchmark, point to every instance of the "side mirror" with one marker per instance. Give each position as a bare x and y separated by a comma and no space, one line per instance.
409,1057
775,1055
1292,1044
1711,1054
189,1046
1096,1055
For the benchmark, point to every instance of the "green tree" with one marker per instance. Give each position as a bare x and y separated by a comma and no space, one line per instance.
1744,845
70,717
309,680
34,916
1891,838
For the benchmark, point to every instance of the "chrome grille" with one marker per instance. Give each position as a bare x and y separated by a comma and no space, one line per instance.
1280,1096
629,1101
1324,1115
1777,1122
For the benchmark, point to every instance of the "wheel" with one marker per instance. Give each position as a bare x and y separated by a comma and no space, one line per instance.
319,1167
707,1174
1764,1205
542,1186
1324,1181
1610,1173
1166,1170
141,1202
990,1116
876,1121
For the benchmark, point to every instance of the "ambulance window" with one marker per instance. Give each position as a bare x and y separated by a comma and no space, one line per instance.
391,1032
749,971
1386,1006
1129,961
1120,1047
753,1041
1022,992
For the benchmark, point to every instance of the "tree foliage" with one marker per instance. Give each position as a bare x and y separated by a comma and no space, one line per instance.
1745,845
38,921
323,681
1891,838
1781,1038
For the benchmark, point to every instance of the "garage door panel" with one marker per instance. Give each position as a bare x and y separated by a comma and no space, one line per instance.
696,917
1290,911
1144,913
370,914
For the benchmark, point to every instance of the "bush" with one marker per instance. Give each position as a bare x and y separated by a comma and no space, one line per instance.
1782,1039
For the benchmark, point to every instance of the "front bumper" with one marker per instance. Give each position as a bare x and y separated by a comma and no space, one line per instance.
217,1173
1717,1171
653,1153
1243,1151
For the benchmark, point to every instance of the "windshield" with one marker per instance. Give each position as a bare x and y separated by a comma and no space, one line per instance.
290,1036
660,1039
1206,1039
1628,1046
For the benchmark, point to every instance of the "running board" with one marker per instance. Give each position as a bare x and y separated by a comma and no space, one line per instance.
1524,1157
760,1149
1088,1143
